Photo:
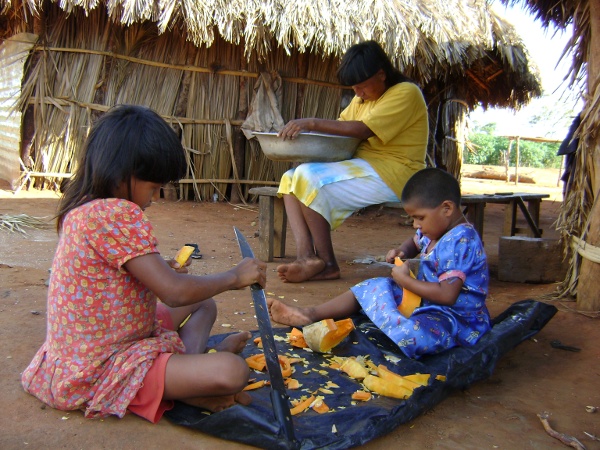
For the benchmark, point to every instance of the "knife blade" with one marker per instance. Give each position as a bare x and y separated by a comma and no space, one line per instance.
279,398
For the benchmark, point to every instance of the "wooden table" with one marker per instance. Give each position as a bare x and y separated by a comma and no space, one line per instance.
272,219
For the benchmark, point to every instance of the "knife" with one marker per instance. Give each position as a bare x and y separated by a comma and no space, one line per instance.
279,398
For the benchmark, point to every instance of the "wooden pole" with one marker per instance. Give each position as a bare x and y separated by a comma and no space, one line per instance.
239,142
587,286
301,88
517,162
507,160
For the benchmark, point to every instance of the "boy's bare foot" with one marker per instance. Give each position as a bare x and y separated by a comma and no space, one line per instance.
234,343
219,403
288,315
300,270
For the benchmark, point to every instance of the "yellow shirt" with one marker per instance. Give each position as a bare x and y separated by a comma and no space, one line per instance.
399,121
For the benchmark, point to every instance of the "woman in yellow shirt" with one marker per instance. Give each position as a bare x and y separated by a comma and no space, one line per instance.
389,114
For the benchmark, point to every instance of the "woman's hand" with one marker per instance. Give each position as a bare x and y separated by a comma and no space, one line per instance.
293,128
392,254
250,271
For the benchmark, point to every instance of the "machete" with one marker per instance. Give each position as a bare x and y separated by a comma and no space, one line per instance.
279,398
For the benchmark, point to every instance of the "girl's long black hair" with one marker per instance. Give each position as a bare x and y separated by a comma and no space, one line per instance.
365,59
128,141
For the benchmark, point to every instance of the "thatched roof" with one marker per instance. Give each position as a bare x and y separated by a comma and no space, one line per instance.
429,39
562,13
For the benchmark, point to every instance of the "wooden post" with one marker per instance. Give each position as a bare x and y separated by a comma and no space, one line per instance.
507,160
301,88
517,162
587,287
239,140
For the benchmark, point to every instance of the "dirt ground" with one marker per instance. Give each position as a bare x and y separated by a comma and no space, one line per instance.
498,413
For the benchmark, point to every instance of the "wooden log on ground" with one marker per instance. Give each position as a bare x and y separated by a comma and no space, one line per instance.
496,173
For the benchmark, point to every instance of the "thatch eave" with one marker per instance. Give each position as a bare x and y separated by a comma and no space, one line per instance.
556,12
429,40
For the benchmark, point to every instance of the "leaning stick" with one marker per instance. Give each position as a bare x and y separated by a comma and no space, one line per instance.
564,438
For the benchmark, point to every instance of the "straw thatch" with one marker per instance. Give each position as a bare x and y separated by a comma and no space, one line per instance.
196,62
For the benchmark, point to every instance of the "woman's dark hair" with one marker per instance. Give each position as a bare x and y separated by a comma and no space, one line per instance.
431,187
365,59
128,141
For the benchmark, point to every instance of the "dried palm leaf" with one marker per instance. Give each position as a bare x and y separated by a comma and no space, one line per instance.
16,223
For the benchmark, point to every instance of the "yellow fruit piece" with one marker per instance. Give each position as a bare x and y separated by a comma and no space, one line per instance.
292,383
354,369
386,388
256,385
410,300
184,254
362,396
296,338
302,406
419,378
258,362
322,336
386,374
319,406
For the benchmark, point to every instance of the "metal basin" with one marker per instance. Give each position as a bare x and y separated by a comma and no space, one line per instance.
307,147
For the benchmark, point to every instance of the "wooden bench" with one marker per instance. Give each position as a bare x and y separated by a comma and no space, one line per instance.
272,219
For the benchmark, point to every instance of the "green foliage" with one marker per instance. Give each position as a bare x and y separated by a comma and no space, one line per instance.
491,150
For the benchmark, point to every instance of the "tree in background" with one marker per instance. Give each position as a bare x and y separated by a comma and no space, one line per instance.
487,149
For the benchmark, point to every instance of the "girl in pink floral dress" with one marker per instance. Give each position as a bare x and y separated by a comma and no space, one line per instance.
110,346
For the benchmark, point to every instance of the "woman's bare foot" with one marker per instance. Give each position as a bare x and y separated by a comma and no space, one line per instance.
288,315
300,270
219,403
234,343
328,273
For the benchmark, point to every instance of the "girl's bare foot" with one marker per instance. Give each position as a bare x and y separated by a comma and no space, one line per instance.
288,315
234,343
219,403
300,270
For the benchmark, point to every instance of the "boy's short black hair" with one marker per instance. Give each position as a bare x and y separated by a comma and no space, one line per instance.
431,187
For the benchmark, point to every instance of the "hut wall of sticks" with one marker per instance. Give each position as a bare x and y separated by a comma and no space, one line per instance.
197,68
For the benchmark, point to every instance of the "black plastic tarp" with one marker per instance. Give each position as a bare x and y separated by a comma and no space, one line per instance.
351,423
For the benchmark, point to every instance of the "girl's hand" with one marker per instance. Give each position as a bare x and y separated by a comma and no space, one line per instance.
179,269
250,271
391,255
400,274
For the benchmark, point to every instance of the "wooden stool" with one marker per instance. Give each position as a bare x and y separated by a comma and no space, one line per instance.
272,223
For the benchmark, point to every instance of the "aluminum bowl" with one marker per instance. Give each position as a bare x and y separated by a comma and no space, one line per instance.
307,147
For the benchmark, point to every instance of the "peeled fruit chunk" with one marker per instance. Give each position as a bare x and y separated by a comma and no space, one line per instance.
386,374
386,388
296,338
324,335
419,378
354,369
184,254
362,396
302,405
410,300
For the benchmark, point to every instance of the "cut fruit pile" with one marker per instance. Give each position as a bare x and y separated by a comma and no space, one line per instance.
370,378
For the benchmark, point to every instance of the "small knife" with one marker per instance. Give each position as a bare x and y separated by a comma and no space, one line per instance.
279,398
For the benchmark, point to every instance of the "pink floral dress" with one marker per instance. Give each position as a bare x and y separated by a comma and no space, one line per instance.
102,335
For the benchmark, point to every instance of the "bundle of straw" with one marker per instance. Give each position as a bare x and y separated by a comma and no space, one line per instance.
16,223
